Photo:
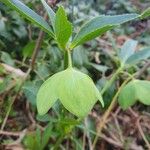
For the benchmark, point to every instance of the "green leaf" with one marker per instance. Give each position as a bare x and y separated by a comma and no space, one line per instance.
98,26
100,68
80,57
50,12
127,50
30,141
28,49
30,90
46,135
6,58
145,14
45,118
138,56
63,28
133,91
38,139
75,90
29,14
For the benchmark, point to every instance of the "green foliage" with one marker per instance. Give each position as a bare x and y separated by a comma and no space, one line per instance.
28,49
133,91
4,84
98,26
127,50
38,140
146,13
50,12
72,88
63,28
29,14
5,57
30,90
138,56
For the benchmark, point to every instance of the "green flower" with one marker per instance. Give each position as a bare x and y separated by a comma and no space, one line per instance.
74,89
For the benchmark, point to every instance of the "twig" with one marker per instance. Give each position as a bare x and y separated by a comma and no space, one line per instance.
106,114
19,140
34,55
113,136
142,133
119,129
88,135
10,69
133,112
29,32
141,71
29,114
13,100
7,133
38,45
84,140
117,111
111,141
109,83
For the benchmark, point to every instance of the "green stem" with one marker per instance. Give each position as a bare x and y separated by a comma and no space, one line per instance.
107,113
69,59
59,141
109,83
65,60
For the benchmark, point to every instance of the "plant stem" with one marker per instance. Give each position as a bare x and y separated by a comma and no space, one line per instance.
13,100
109,83
142,133
58,142
106,114
31,67
65,60
69,59
38,45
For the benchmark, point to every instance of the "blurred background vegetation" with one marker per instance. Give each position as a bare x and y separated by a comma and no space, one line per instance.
24,128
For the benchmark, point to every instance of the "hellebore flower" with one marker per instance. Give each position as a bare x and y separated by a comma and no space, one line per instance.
74,89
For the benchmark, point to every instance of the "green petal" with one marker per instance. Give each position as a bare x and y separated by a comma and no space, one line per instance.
75,90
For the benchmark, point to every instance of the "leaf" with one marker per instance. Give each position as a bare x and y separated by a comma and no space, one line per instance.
4,84
145,14
50,12
38,139
30,90
44,118
80,57
127,50
29,14
68,121
133,91
100,68
75,90
30,141
63,28
6,58
46,135
98,26
2,25
28,49
127,95
143,95
138,56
